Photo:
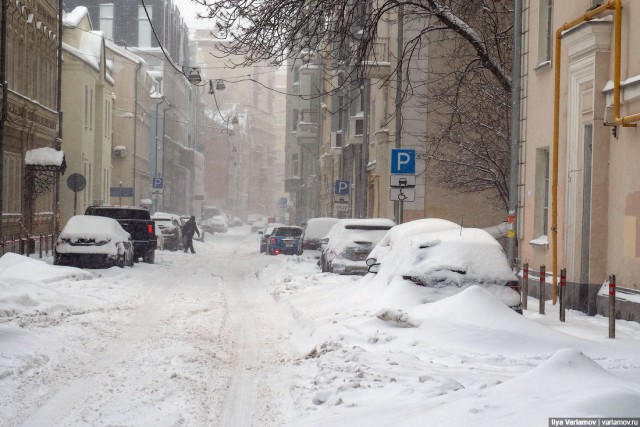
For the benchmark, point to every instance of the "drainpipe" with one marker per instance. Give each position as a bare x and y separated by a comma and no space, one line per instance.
515,131
56,219
135,128
618,121
5,94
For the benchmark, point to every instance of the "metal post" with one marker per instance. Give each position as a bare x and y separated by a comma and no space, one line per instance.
563,282
397,206
612,306
543,281
525,285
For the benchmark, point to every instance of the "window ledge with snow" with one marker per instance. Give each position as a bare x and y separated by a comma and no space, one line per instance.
542,241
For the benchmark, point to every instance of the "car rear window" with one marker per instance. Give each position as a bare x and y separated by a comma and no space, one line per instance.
288,232
119,213
367,227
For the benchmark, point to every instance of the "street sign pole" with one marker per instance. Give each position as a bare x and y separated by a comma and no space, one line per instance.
403,162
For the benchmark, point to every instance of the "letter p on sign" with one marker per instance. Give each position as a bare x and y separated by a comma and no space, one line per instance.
403,161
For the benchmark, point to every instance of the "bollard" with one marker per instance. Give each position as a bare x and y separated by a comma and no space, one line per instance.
563,283
542,289
40,246
525,285
612,306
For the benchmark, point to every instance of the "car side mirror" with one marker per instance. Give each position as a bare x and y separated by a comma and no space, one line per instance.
324,240
371,261
260,232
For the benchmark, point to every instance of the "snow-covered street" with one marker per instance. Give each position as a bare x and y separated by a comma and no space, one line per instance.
232,337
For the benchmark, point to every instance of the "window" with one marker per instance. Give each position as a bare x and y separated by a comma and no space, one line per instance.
541,224
144,27
11,184
86,107
295,120
295,165
545,35
106,20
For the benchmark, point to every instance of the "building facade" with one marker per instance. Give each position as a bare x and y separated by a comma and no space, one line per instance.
31,119
579,184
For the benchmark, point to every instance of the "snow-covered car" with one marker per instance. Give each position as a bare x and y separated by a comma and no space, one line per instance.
259,224
315,230
286,240
159,237
171,227
450,260
346,246
215,224
92,242
265,234
405,230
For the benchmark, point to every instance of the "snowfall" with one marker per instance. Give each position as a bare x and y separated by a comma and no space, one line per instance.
232,337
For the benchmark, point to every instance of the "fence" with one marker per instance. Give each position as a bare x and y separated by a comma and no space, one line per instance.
41,245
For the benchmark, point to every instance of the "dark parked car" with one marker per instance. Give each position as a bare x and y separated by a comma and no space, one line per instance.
286,240
135,221
265,234
93,242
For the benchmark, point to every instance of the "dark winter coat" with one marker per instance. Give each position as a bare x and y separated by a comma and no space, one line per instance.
189,229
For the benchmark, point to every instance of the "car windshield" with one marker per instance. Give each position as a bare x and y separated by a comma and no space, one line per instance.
288,232
366,227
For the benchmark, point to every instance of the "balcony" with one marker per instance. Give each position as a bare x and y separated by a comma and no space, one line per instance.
308,127
378,63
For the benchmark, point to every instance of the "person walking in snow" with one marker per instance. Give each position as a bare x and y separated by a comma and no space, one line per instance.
188,230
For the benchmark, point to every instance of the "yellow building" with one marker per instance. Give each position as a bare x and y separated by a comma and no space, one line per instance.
593,201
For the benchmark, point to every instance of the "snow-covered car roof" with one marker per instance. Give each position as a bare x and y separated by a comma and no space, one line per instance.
165,216
407,229
347,231
90,227
317,228
456,256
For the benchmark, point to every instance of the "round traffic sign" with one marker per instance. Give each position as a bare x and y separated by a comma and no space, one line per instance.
76,182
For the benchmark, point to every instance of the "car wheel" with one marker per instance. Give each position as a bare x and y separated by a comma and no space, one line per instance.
150,258
121,261
131,260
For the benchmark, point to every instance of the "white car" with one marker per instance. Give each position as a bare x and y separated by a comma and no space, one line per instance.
171,227
405,230
314,230
448,261
346,246
93,241
215,224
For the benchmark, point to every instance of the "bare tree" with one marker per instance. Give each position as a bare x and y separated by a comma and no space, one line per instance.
470,92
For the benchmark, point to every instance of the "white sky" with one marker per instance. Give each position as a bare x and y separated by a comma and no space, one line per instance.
189,11
230,336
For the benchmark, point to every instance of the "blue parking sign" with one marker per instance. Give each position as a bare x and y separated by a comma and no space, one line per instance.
342,187
403,161
158,183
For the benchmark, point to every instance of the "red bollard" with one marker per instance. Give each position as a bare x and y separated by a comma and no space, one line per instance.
525,285
543,282
563,283
612,306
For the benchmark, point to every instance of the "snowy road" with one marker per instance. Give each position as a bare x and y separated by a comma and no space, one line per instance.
193,342
232,337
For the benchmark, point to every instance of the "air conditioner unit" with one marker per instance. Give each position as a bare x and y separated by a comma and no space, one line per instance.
120,151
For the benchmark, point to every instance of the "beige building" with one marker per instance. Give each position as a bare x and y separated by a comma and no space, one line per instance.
596,190
87,104
131,123
31,122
